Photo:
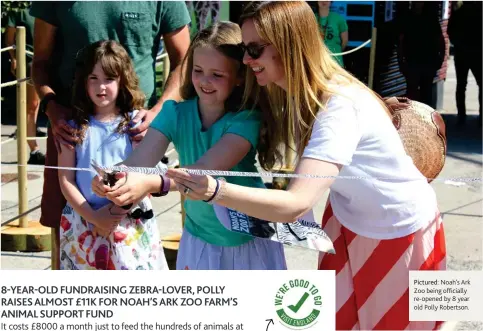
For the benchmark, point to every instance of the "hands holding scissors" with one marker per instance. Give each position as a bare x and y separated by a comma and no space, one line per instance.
122,188
128,189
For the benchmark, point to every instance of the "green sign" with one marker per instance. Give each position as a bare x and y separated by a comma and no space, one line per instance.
298,304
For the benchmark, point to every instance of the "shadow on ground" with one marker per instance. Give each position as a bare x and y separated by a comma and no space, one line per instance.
463,139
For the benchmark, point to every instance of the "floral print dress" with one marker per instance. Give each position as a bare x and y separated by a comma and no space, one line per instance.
134,245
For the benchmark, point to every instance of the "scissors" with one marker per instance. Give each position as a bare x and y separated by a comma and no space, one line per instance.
108,178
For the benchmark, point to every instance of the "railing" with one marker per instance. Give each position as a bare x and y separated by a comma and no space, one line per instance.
21,136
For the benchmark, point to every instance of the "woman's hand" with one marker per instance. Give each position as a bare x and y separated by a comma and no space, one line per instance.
132,187
193,186
107,218
98,186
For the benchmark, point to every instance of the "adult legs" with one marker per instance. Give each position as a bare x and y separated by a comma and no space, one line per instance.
412,84
36,157
476,67
462,67
53,201
426,87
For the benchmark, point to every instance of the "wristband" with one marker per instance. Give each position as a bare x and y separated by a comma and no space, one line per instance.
43,103
164,187
221,192
216,191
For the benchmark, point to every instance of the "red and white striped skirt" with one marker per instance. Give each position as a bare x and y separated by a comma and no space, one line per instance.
372,276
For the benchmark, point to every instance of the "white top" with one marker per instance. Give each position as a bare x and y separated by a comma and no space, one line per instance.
356,132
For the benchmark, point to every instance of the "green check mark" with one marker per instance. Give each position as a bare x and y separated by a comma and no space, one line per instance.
299,304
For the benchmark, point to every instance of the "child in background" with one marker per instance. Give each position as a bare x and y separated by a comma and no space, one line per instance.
209,131
95,233
334,30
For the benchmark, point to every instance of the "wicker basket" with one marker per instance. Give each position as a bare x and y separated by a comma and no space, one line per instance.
423,134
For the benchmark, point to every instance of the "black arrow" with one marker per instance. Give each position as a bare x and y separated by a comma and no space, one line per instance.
269,321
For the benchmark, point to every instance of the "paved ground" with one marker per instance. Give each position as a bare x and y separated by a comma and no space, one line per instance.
461,206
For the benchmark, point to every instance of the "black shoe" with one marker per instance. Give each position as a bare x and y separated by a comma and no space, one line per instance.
37,158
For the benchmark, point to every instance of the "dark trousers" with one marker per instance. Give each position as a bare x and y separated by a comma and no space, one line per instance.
53,201
419,83
464,62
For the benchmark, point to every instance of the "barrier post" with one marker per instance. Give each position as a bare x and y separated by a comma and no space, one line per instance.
372,58
21,125
23,235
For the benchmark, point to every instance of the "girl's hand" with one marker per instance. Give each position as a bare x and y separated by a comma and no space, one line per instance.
107,218
98,186
101,232
193,186
130,188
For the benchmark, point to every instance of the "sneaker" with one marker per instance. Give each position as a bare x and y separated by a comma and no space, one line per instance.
41,133
37,158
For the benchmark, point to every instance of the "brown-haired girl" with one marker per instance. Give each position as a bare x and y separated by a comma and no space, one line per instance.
95,233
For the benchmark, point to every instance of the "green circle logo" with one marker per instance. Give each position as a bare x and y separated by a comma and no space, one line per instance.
298,304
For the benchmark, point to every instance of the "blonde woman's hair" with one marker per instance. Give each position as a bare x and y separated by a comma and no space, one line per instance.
291,28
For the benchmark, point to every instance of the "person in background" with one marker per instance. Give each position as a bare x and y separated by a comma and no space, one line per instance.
333,28
464,31
62,29
21,17
421,51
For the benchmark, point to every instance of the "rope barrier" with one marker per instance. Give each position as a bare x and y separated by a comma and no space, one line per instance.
31,54
7,48
161,170
36,138
353,50
8,140
14,82
28,138
162,56
21,215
